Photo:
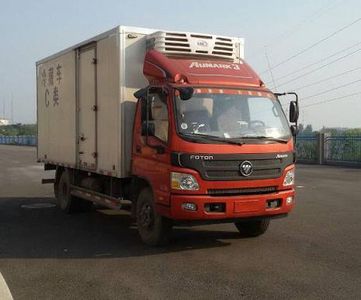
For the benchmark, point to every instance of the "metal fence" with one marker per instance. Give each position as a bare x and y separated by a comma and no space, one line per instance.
307,148
342,149
26,140
326,149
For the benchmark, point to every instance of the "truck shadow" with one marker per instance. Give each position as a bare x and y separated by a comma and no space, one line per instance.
49,233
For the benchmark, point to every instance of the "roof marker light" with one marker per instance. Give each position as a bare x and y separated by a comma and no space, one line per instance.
180,78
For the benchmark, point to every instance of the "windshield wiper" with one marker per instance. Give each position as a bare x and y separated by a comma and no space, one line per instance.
213,138
268,138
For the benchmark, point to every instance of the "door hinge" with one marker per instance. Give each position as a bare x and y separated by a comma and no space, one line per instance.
94,108
95,61
95,154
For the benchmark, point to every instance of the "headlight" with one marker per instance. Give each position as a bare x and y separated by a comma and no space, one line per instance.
182,181
289,178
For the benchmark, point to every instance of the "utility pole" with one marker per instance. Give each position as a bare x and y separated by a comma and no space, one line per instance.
12,110
303,116
269,68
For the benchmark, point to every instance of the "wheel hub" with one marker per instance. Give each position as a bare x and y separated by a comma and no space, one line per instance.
146,216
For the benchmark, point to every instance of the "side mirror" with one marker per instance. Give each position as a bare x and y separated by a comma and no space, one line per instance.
141,93
148,129
294,130
294,112
185,92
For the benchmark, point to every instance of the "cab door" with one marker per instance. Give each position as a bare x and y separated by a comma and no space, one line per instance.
151,152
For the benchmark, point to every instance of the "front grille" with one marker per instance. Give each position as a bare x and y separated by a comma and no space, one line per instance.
220,167
226,169
231,163
260,173
242,191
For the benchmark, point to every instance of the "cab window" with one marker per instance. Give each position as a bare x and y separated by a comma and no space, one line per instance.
158,114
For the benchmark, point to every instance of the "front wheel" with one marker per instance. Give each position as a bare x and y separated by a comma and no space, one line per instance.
252,228
153,229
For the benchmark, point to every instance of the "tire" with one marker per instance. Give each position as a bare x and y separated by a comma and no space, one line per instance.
252,228
68,203
56,189
56,183
154,230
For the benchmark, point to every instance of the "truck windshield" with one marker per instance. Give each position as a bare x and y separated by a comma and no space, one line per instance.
245,116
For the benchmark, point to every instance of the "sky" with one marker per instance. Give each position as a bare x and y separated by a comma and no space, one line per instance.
294,45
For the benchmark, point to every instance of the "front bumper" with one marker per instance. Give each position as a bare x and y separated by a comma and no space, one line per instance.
235,207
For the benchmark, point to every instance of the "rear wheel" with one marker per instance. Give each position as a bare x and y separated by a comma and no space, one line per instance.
252,228
65,200
58,173
153,229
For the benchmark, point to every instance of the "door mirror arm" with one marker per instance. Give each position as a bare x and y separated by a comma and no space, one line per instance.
147,128
293,113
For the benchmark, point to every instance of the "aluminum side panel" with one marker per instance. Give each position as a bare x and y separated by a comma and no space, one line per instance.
108,105
86,109
56,109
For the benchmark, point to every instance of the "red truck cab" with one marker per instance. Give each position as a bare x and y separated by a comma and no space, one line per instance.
210,144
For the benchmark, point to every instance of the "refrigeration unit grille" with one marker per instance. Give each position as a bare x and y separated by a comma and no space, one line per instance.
179,43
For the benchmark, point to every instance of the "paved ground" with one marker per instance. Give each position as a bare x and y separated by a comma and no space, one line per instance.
314,253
